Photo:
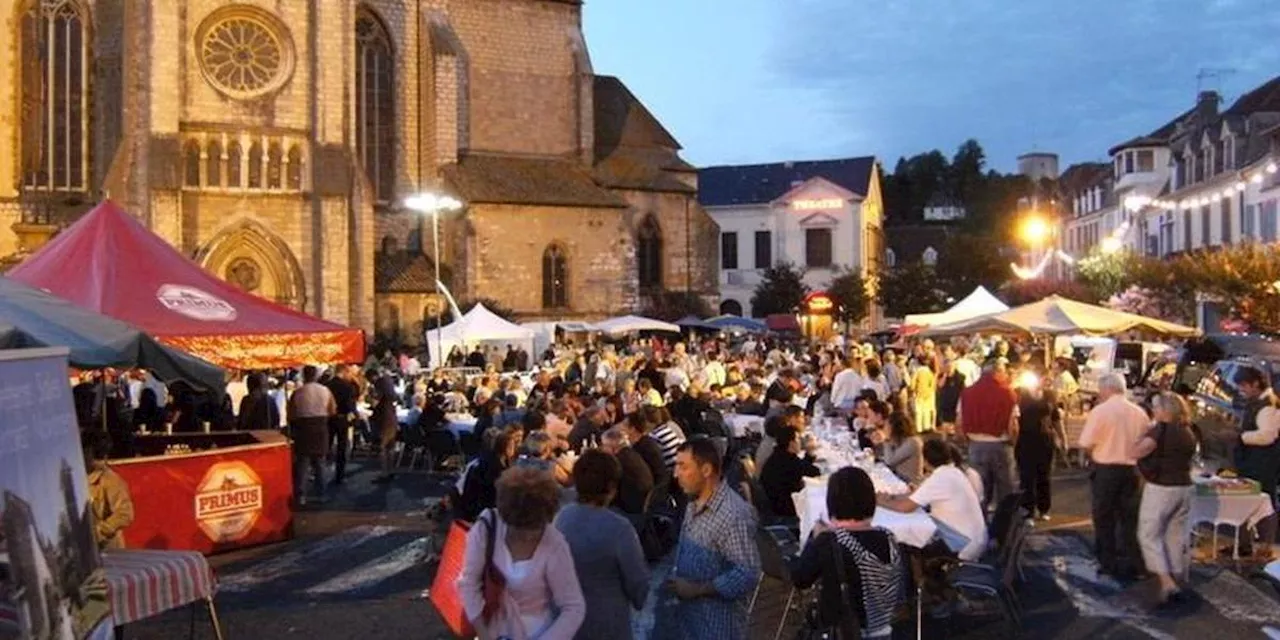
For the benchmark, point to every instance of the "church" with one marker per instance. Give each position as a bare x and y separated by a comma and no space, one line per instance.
275,142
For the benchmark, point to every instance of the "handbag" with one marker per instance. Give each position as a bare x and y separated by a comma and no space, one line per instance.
444,588
847,627
493,582
1149,466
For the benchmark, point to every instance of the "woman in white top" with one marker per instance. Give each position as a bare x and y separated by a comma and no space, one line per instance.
541,598
951,501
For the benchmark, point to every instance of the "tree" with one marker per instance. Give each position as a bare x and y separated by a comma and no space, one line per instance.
674,305
781,290
1020,292
971,260
1106,274
1243,278
848,290
910,288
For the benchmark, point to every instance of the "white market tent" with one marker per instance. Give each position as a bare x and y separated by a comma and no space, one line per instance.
978,303
629,324
1055,316
478,326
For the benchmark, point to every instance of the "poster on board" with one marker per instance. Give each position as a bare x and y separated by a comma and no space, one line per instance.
51,581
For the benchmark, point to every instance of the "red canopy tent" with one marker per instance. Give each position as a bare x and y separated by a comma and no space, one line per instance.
110,263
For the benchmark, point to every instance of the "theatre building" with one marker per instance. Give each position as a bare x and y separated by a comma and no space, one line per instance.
823,217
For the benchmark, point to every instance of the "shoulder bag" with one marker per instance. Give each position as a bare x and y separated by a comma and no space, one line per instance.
848,626
495,584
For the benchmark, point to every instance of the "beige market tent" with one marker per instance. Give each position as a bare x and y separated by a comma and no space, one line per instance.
1056,315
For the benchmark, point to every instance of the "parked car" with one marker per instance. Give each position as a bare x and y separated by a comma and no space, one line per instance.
1218,405
1098,356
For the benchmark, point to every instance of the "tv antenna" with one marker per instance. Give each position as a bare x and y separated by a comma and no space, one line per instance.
1211,78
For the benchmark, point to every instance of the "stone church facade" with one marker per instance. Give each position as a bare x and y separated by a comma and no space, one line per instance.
274,142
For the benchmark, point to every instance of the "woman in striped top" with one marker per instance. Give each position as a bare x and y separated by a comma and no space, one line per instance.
665,431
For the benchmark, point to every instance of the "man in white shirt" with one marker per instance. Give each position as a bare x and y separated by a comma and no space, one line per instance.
951,501
847,384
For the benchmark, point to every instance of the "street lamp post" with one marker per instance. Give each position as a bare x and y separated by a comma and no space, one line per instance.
435,204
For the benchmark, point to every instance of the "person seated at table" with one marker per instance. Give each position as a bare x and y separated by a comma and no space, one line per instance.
109,497
951,501
874,424
750,400
874,568
636,427
784,472
479,486
536,451
792,418
636,480
901,448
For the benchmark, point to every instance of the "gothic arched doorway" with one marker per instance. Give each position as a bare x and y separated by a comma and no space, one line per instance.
257,261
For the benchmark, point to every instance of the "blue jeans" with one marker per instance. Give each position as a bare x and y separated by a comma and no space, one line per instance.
994,462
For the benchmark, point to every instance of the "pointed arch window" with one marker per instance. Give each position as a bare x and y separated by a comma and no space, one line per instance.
54,96
295,168
275,166
555,275
375,103
235,162
191,165
213,165
255,166
649,254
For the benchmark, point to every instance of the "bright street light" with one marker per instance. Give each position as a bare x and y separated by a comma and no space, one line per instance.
435,204
1034,230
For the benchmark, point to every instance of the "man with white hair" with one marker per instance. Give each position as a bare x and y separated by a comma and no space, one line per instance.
1111,434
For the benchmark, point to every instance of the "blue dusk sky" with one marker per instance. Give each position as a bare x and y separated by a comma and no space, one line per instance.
740,81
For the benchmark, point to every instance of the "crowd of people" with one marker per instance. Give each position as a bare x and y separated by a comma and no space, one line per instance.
607,462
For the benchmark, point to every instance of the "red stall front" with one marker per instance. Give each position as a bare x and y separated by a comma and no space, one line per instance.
209,492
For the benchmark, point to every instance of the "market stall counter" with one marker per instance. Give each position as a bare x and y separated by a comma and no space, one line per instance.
209,492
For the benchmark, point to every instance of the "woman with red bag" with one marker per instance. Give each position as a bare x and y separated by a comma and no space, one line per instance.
518,579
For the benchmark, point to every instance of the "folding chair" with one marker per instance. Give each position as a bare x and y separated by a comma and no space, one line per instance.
775,545
997,581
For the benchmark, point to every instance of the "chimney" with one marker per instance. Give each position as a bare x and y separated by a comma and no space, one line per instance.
1207,105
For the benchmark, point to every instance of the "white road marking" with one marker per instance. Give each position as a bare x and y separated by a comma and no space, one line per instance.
370,573
298,560
1236,599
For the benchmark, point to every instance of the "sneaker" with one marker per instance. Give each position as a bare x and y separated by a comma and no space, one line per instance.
1044,517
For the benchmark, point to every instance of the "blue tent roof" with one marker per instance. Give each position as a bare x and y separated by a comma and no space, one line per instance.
730,321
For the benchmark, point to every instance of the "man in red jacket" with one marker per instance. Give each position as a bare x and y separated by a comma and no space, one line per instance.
988,417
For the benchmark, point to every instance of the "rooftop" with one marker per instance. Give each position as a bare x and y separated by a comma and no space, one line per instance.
764,183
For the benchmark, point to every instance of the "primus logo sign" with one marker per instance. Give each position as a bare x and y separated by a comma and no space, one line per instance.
228,501
195,303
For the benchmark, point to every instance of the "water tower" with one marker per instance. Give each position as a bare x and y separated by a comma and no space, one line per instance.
1038,165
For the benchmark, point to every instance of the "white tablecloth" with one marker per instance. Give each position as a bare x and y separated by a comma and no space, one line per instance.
742,424
915,529
1232,508
460,423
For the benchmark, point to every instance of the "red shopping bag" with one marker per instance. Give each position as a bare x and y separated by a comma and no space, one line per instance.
444,591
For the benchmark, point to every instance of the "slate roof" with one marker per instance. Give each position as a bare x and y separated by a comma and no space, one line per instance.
1157,138
482,178
1263,98
764,183
632,148
404,272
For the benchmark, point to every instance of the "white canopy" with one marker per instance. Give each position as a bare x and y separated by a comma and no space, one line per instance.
476,326
1056,315
628,324
978,303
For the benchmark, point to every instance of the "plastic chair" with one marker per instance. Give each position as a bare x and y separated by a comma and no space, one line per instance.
997,581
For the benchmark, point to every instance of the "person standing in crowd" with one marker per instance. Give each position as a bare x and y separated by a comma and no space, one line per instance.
1257,454
847,384
875,570
385,426
258,411
109,497
717,564
1038,419
541,598
950,385
988,416
924,394
1165,453
310,408
345,393
606,550
1111,433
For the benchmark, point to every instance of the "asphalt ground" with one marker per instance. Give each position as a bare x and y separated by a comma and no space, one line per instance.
361,565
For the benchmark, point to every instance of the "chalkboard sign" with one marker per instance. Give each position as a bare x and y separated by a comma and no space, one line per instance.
51,579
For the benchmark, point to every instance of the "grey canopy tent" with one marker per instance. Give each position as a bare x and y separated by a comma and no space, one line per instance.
30,317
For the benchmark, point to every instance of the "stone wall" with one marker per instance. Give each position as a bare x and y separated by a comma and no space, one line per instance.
690,246
505,258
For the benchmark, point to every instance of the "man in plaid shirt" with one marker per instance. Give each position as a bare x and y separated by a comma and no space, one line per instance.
717,564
